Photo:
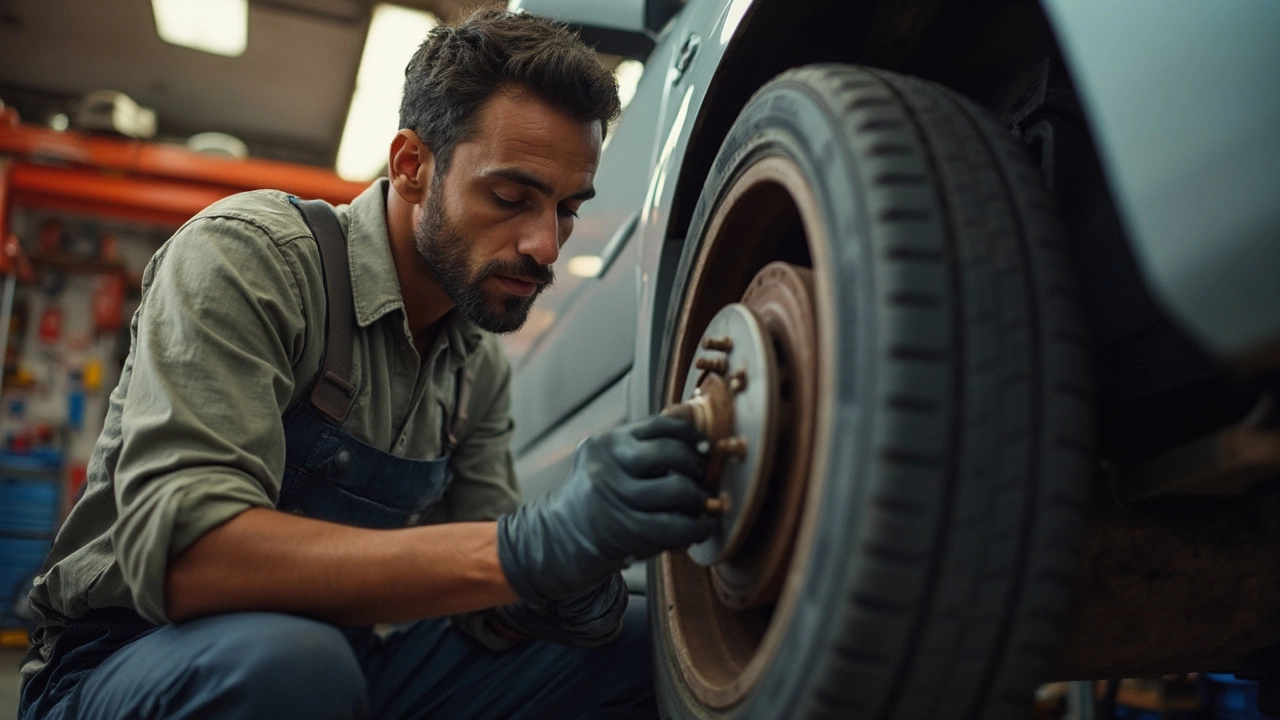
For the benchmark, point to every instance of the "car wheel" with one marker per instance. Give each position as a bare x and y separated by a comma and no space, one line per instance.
876,292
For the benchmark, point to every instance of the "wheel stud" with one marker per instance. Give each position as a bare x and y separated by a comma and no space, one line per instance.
732,446
723,344
717,505
738,381
716,365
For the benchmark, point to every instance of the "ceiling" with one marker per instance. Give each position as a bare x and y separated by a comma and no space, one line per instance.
286,97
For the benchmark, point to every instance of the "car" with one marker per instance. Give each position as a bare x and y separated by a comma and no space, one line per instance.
976,302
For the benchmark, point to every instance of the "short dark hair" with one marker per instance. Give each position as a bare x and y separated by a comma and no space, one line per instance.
457,68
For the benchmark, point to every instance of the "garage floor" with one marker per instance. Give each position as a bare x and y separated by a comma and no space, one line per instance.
9,683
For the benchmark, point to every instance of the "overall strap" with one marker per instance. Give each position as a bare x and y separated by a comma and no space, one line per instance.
333,392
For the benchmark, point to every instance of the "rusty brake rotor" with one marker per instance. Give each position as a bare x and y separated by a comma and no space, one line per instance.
751,392
736,384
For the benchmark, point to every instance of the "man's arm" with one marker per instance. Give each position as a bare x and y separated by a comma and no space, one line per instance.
268,560
220,328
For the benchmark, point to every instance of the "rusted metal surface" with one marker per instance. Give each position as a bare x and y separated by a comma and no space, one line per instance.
771,493
716,365
744,457
781,296
725,623
758,211
710,411
722,344
1225,462
1173,586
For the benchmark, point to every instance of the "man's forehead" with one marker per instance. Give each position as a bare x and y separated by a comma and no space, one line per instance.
519,122
532,144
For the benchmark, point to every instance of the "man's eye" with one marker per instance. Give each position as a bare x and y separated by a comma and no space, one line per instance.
566,211
507,204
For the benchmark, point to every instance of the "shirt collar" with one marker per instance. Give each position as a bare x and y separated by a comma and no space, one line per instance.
375,286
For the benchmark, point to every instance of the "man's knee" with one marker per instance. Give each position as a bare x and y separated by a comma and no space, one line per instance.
636,634
272,666
621,673
626,663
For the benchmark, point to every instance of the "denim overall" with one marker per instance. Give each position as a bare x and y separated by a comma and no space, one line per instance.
329,474
273,666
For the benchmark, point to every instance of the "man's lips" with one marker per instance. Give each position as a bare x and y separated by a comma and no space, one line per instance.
517,286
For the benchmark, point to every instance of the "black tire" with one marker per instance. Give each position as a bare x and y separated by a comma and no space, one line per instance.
946,526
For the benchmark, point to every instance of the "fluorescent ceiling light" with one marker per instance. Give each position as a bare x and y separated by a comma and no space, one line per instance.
586,266
220,27
628,74
395,32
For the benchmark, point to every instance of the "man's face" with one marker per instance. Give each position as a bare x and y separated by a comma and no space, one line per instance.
494,223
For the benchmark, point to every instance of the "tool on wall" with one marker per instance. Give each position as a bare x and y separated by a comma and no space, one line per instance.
108,303
15,267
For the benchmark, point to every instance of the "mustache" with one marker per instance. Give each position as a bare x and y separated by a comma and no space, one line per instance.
525,267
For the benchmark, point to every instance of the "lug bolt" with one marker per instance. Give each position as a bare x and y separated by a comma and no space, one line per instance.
732,446
723,344
738,381
715,365
717,505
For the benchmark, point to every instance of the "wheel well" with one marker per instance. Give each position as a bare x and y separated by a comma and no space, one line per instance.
993,51
1003,55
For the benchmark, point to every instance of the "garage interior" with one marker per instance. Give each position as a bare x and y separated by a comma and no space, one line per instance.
111,137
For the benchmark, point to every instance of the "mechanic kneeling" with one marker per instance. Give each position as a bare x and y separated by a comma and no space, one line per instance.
311,432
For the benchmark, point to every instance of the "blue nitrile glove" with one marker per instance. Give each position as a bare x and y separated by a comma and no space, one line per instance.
586,620
632,493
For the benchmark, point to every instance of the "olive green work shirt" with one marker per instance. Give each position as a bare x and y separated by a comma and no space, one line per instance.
228,335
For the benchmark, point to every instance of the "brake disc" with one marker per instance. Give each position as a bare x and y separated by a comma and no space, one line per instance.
735,371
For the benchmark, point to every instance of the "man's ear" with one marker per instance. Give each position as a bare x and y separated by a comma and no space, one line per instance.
411,167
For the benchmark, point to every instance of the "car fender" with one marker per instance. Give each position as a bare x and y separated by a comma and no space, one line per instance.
1181,97
684,105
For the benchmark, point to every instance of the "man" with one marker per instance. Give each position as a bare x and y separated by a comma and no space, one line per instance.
285,464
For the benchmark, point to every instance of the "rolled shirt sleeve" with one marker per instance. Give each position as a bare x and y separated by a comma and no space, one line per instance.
220,328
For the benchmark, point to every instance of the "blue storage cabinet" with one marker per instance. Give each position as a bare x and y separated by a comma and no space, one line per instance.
1231,698
30,493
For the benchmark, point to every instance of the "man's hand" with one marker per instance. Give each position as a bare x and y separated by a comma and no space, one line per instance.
631,494
589,619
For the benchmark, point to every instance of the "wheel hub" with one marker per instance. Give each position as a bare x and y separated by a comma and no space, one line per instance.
751,390
734,382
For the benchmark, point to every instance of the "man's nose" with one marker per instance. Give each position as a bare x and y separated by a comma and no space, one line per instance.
542,240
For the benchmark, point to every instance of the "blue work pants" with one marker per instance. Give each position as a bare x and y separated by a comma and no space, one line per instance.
268,666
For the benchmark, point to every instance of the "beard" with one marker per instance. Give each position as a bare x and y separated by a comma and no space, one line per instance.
444,251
